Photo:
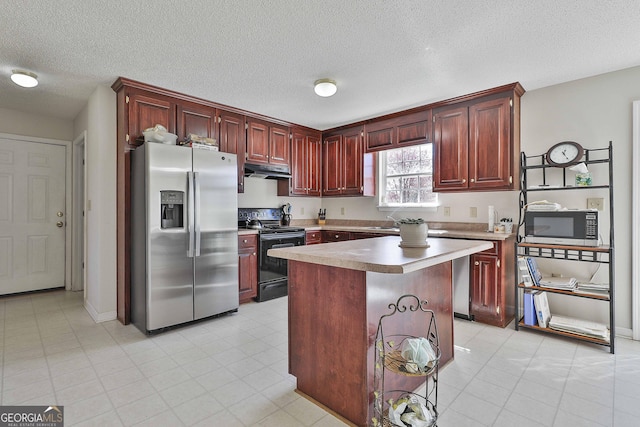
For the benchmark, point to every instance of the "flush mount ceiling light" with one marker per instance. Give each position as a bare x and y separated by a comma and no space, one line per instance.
24,78
325,87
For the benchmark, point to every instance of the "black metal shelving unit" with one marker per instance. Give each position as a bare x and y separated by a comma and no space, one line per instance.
603,254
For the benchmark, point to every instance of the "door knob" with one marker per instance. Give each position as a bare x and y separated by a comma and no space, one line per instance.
59,224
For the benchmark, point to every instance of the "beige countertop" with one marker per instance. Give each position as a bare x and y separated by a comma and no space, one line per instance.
382,254
445,233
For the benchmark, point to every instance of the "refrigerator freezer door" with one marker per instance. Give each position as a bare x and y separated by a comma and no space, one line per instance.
216,269
170,271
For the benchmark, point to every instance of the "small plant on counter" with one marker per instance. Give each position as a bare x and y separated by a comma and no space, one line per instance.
410,221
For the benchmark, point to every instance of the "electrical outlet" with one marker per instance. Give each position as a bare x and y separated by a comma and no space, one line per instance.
447,211
595,203
341,211
473,212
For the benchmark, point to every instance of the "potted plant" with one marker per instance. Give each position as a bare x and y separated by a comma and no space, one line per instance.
413,231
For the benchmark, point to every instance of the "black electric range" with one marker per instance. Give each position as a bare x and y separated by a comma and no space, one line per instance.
272,274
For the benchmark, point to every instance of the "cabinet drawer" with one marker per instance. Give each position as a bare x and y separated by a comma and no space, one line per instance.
335,236
246,241
313,237
493,251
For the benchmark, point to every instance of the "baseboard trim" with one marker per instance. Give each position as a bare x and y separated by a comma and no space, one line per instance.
99,317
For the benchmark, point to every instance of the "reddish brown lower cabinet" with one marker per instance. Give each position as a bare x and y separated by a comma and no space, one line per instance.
247,267
313,237
335,236
491,288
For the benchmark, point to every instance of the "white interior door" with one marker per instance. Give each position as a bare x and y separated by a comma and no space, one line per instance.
32,216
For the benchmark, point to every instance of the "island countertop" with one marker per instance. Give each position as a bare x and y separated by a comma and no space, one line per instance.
382,254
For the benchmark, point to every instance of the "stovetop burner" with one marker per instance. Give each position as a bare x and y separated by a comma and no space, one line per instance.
269,220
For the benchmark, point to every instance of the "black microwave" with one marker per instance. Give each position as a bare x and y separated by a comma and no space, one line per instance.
565,227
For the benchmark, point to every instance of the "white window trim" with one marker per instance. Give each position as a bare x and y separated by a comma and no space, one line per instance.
387,207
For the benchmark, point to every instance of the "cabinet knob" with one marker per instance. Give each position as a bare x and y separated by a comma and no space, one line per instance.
476,263
472,180
254,254
337,236
244,241
464,180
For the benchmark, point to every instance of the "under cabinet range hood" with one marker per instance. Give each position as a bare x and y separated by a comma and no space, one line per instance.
267,171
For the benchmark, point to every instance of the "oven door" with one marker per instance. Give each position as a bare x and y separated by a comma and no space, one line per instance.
272,278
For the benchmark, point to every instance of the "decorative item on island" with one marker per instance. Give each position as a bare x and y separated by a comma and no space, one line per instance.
413,232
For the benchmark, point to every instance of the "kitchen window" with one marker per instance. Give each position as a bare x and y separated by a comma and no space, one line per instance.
406,177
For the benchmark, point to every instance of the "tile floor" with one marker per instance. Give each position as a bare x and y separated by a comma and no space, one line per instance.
232,371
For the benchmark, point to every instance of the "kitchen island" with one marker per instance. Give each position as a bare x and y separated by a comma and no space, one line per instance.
337,293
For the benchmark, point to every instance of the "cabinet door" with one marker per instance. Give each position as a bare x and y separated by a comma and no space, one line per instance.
352,159
278,146
380,135
451,141
299,164
257,141
247,267
490,144
197,119
232,139
314,173
414,129
332,162
147,110
485,295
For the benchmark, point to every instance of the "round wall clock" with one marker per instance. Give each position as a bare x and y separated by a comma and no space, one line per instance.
565,154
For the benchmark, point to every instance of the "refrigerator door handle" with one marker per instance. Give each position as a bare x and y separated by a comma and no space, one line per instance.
190,213
196,212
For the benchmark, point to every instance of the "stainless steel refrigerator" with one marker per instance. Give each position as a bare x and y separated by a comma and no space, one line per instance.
184,245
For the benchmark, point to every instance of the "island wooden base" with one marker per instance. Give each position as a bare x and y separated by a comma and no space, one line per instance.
333,319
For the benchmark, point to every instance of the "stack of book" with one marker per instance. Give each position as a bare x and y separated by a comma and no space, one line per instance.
592,288
580,327
529,271
567,284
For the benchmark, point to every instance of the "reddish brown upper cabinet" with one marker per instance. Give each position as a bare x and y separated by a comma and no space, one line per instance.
477,141
267,143
450,159
145,110
232,138
346,169
398,130
491,288
196,119
306,162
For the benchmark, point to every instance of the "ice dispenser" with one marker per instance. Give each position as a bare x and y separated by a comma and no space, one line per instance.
171,209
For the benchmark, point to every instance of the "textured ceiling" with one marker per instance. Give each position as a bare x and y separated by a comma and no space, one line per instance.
264,56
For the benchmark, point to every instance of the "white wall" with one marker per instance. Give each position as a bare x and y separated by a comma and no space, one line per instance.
262,193
99,120
591,111
28,124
